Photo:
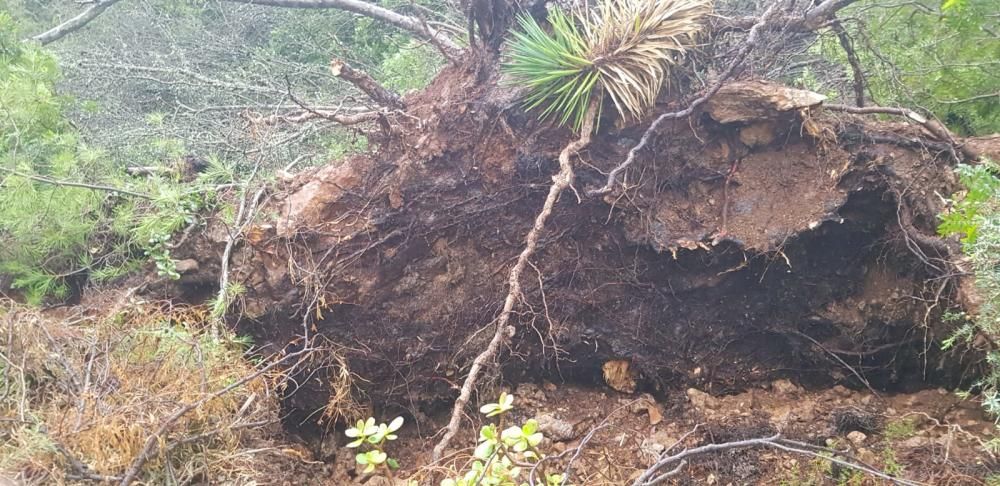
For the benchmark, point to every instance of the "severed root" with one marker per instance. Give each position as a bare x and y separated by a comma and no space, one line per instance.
560,182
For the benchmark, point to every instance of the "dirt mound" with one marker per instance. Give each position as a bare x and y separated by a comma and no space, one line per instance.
794,245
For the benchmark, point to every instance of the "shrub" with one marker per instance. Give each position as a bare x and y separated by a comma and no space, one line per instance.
975,216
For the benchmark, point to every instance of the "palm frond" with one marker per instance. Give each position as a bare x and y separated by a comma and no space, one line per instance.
633,43
623,48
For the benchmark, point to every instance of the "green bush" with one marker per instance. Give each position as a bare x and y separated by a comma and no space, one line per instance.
50,233
976,218
942,56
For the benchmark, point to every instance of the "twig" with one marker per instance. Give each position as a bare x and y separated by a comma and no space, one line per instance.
96,187
841,361
560,182
749,44
153,439
231,239
649,477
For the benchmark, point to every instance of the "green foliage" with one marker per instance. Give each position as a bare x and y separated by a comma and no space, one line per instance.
50,233
981,187
900,429
939,55
43,229
624,47
411,67
501,456
553,67
373,438
975,216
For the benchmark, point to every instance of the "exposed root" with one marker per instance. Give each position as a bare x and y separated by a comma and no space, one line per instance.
560,182
933,126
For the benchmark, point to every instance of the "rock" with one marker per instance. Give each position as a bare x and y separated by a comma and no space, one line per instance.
701,400
758,100
529,394
842,391
554,428
867,456
647,403
758,134
785,387
184,267
856,437
914,442
619,375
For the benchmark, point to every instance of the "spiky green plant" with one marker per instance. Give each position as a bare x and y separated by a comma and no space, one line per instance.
623,48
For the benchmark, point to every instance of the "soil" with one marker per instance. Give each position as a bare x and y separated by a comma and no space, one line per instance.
795,246
930,436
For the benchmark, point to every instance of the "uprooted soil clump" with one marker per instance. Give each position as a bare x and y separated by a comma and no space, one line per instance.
786,243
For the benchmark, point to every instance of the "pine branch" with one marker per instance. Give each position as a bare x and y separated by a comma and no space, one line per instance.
96,187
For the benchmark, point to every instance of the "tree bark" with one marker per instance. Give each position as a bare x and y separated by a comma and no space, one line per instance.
74,24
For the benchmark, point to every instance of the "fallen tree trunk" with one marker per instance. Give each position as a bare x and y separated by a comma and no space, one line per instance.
737,250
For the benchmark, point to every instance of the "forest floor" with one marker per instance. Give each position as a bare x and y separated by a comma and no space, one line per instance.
930,436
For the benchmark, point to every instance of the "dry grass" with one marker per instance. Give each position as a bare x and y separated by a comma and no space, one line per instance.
82,394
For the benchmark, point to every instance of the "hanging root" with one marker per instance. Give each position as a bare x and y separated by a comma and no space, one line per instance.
560,182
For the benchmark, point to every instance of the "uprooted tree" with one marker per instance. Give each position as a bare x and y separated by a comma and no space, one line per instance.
740,231
695,222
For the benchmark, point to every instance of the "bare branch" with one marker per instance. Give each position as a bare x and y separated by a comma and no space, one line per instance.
405,22
74,24
815,18
96,187
366,83
650,477
314,114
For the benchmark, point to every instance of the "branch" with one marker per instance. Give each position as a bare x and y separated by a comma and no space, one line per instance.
74,24
560,182
405,22
649,477
95,187
366,83
852,59
813,19
748,45
313,114
936,129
